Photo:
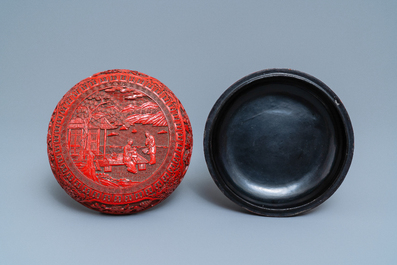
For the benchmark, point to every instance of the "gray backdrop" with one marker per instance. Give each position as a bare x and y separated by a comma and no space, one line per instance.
198,49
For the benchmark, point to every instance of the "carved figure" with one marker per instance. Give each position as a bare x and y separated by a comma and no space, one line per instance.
89,168
150,143
130,157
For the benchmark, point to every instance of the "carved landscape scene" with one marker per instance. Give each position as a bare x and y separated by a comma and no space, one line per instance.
118,137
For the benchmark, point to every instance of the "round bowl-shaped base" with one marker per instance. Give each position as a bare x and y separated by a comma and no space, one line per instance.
278,142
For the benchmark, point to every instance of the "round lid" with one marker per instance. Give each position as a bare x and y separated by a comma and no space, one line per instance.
119,142
278,142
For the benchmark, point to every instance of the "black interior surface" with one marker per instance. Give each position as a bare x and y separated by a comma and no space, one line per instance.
278,142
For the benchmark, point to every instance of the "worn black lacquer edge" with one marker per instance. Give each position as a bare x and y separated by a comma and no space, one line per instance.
212,120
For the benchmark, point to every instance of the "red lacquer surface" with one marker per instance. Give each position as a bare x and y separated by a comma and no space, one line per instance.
119,142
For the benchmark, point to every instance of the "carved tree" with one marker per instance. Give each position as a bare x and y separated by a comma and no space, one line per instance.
99,111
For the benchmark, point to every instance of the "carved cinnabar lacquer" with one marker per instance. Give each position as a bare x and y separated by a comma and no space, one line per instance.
119,142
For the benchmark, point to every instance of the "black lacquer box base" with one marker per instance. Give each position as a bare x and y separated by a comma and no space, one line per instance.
278,142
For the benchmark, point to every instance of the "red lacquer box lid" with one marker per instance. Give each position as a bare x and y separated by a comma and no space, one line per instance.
119,142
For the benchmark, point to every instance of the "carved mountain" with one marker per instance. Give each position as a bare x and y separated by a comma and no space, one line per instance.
149,105
145,106
157,119
129,108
